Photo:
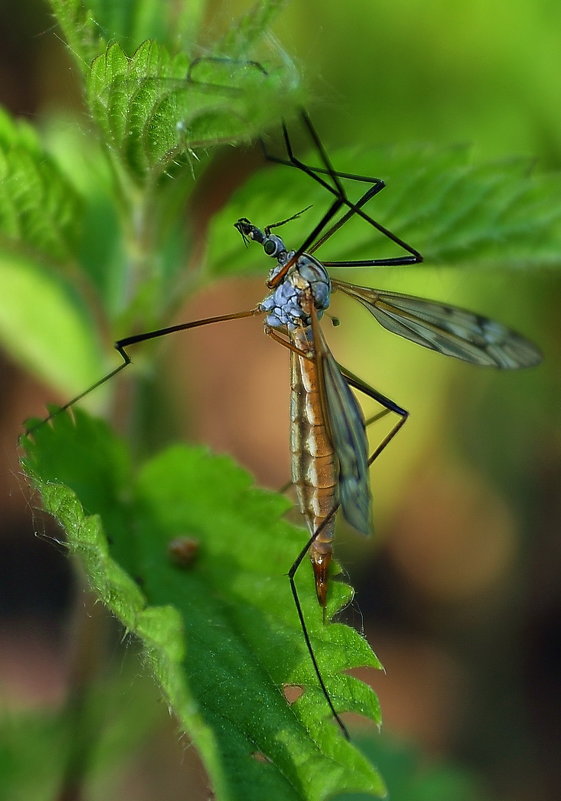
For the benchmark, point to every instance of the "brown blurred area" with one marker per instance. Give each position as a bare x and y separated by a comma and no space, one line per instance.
459,592
34,573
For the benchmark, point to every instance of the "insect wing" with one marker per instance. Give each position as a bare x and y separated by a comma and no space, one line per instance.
446,329
345,422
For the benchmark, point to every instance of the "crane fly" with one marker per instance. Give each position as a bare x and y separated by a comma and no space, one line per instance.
329,448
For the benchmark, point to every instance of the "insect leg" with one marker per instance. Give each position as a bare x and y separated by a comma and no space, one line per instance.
329,214
293,161
305,550
122,344
389,406
338,190
335,188
387,403
291,574
307,354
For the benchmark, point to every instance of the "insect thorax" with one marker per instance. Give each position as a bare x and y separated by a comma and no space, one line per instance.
284,305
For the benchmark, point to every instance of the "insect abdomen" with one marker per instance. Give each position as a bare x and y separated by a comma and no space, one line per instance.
314,463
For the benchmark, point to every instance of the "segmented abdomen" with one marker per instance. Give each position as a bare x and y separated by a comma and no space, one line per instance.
315,468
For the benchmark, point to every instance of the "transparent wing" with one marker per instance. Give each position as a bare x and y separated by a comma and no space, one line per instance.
446,329
346,426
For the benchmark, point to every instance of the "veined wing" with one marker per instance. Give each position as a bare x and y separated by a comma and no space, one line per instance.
345,423
446,329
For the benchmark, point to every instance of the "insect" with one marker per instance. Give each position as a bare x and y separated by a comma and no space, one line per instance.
330,460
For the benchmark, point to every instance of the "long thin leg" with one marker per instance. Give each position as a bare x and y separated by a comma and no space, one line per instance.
338,190
311,243
355,209
384,401
331,211
298,561
122,344
335,188
293,161
389,406
368,195
286,343
291,574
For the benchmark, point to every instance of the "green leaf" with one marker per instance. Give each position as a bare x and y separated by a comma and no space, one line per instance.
221,634
154,117
40,211
81,30
129,23
45,326
451,210
89,25
247,30
133,109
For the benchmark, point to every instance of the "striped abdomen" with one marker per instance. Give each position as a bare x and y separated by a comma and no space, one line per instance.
315,469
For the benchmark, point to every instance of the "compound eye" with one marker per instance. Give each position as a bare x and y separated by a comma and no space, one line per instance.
273,245
270,247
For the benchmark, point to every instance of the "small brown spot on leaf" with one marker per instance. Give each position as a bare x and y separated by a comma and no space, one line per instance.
259,756
292,692
183,551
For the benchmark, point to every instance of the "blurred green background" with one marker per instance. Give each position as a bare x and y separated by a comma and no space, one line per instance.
459,591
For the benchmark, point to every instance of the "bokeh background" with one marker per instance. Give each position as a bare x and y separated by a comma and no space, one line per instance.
459,591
